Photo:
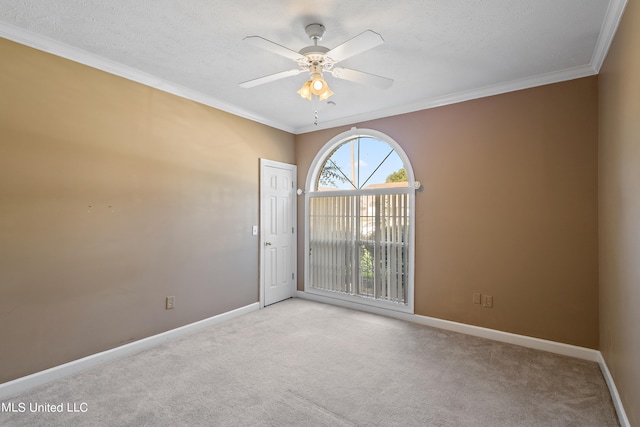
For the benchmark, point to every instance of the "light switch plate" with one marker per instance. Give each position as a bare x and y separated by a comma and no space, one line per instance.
255,230
170,302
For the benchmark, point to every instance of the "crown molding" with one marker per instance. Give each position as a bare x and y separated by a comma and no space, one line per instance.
54,47
610,24
607,32
491,90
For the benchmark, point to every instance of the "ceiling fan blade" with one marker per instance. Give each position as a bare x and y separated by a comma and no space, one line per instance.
363,41
362,77
274,47
270,78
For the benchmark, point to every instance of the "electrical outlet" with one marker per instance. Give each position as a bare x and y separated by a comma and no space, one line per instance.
488,301
171,302
476,298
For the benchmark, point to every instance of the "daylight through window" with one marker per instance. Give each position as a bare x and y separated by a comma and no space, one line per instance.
360,230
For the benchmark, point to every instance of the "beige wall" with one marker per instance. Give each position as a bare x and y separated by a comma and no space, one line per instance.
509,208
619,190
114,195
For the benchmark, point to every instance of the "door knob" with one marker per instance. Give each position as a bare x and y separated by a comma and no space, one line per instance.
267,243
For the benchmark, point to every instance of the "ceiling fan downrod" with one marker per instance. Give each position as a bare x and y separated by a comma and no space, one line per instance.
315,32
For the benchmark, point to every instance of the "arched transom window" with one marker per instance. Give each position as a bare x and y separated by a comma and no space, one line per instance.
359,229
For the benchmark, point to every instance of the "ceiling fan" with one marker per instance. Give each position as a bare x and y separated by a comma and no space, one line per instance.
317,59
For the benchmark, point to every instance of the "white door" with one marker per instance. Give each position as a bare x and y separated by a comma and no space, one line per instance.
278,236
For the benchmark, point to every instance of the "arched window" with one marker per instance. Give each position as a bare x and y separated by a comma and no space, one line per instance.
359,231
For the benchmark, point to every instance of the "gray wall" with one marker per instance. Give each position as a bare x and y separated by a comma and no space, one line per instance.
113,196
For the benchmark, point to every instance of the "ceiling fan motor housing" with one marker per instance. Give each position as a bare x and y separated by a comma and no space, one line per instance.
316,60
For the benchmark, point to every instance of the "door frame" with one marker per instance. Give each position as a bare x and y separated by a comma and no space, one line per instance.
264,163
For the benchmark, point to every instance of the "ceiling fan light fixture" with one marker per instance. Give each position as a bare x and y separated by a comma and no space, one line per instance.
315,86
305,90
318,85
327,93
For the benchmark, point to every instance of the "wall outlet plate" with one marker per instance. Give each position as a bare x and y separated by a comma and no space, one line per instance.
477,298
488,301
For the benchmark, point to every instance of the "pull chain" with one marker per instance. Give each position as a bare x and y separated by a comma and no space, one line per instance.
315,106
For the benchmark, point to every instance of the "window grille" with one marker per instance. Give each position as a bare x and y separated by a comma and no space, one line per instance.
359,228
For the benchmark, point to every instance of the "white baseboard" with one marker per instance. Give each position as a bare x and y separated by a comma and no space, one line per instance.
20,385
492,334
25,383
477,331
617,402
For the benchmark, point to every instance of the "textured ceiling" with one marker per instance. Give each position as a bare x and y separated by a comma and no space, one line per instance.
437,51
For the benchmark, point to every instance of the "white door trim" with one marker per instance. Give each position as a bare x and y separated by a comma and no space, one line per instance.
294,254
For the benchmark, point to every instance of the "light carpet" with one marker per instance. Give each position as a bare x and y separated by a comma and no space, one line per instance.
302,363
